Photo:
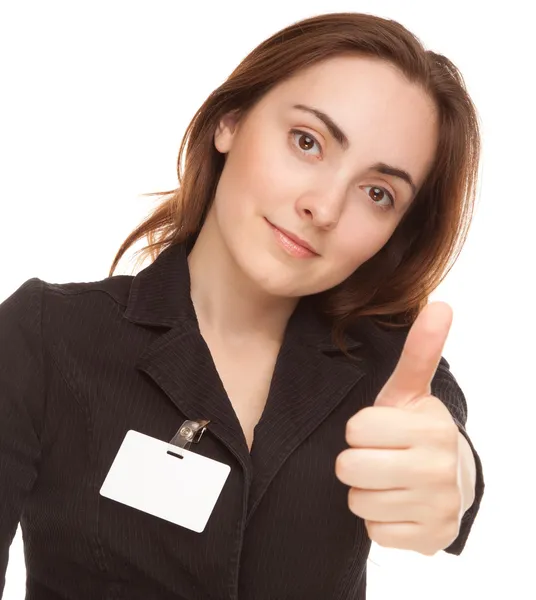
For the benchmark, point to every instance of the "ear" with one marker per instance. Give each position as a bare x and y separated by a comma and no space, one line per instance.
225,132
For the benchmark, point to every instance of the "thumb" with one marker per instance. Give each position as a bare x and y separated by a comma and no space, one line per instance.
412,376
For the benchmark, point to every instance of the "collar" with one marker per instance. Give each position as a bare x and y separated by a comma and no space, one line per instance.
160,296
307,384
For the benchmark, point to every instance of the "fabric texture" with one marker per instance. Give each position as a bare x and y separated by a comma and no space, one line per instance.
82,363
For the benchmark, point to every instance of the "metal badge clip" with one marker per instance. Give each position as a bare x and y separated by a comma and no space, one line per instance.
188,433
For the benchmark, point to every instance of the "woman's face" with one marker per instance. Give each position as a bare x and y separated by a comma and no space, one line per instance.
303,165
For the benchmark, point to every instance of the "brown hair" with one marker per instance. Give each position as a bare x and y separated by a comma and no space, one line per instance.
393,285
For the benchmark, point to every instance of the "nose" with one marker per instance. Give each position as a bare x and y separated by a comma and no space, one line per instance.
321,209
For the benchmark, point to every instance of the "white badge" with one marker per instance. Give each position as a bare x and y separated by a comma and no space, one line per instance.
150,475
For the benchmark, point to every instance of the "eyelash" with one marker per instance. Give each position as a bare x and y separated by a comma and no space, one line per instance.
391,204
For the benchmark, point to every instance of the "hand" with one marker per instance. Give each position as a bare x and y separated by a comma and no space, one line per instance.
403,464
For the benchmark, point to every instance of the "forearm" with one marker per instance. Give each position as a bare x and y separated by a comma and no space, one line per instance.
467,472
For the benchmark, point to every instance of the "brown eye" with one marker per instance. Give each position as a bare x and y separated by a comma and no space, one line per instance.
378,194
305,142
380,197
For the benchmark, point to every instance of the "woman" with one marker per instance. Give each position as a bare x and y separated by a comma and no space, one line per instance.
326,189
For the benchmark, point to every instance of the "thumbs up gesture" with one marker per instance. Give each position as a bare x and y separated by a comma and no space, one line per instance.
403,464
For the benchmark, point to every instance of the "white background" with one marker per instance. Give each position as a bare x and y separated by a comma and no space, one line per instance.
95,99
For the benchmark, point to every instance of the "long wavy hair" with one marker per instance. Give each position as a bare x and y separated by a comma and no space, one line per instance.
393,286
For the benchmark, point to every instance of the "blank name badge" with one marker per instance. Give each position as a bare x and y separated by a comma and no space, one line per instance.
166,481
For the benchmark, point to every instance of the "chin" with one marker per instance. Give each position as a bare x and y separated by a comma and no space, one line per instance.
271,276
276,278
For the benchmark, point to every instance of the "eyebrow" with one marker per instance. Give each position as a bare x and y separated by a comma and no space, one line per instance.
343,141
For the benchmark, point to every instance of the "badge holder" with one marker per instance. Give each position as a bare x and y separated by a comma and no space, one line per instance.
189,432
147,476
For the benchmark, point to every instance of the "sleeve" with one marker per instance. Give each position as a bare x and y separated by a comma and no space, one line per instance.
445,387
21,406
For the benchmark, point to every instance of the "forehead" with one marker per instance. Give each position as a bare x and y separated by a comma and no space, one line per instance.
382,113
351,77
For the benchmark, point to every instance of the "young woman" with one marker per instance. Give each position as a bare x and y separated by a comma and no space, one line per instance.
242,417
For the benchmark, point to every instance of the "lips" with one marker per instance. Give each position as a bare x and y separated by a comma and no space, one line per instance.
297,240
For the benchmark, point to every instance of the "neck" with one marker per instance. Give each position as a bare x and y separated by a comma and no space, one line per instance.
228,303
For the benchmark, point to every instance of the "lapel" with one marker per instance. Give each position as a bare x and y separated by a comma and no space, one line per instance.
307,384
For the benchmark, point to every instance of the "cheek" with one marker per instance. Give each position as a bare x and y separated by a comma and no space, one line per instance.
267,169
253,178
359,239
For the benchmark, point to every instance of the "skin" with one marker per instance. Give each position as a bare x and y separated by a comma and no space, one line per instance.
242,279
411,473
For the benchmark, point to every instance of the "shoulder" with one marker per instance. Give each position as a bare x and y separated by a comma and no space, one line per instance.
56,311
115,289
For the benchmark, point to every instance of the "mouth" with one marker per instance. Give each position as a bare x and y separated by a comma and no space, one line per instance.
291,243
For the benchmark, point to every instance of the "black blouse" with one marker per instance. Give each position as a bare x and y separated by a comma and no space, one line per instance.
82,363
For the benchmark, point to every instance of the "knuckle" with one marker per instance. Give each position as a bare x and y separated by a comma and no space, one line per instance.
443,471
429,471
448,469
447,434
354,501
352,429
450,504
354,426
343,464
